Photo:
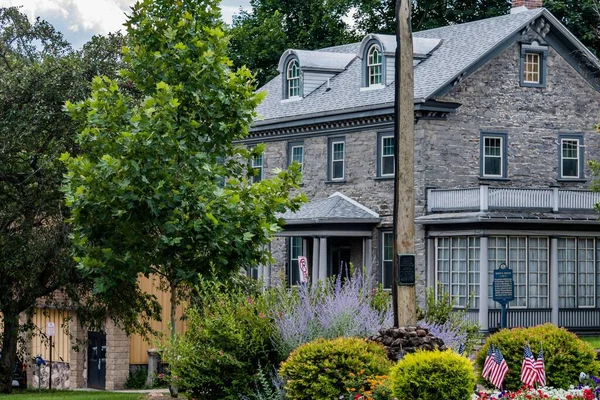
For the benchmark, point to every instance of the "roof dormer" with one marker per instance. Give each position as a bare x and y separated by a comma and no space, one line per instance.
303,71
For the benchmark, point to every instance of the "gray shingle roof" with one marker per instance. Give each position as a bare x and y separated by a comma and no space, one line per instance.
335,208
462,46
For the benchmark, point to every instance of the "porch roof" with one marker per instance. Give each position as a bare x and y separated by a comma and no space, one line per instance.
336,208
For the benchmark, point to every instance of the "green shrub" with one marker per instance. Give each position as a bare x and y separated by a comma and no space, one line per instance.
319,369
433,375
228,336
565,355
136,379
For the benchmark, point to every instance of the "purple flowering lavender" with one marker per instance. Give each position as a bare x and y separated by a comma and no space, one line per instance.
328,310
451,334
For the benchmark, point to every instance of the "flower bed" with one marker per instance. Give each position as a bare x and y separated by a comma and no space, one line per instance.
584,393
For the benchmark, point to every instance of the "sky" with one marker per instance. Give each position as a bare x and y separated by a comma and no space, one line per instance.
79,20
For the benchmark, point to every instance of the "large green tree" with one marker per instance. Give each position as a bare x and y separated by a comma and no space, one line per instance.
160,187
38,72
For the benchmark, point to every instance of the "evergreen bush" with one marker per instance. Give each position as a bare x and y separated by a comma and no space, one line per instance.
318,370
433,375
565,355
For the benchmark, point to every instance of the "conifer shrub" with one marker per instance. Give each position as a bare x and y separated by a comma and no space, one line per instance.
433,375
565,355
318,370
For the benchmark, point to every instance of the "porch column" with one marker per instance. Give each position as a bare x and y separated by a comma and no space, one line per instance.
315,259
483,284
367,255
323,259
431,282
554,280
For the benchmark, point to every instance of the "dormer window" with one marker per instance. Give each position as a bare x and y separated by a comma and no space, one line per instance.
293,79
375,65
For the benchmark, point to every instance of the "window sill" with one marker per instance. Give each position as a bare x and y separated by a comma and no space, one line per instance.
291,99
491,178
533,85
578,180
384,178
372,87
336,182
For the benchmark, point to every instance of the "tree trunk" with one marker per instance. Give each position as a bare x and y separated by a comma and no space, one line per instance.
10,337
173,386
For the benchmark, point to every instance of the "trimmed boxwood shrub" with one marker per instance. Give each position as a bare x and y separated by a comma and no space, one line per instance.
565,355
433,375
318,370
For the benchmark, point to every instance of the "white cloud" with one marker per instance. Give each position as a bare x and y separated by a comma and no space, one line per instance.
79,20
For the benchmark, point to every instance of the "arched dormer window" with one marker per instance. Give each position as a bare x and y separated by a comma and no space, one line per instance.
293,79
374,66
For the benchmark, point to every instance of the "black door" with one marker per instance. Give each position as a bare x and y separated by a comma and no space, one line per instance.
96,360
340,262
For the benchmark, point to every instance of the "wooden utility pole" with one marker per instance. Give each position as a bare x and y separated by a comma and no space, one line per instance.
403,290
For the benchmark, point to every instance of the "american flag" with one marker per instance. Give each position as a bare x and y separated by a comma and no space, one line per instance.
488,363
529,375
499,369
540,368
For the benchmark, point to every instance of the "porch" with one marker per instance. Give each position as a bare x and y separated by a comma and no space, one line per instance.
578,320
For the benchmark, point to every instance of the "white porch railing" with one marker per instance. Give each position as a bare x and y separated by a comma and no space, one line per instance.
485,198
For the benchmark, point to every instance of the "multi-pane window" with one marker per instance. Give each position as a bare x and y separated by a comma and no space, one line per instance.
375,65
457,261
576,272
293,79
493,153
386,155
528,258
338,151
531,68
295,252
387,259
297,155
257,165
570,157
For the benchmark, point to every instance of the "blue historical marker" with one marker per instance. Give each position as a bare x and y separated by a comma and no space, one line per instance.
503,289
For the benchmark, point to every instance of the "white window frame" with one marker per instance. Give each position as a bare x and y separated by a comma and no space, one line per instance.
255,165
382,156
385,234
293,81
563,248
334,160
485,137
471,261
298,146
563,158
372,64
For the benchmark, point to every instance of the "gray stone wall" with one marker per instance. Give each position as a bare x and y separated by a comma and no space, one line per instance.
492,99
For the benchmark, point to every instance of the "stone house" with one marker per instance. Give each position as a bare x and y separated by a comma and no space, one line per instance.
505,110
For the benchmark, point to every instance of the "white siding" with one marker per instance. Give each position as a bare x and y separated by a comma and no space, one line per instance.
312,80
390,68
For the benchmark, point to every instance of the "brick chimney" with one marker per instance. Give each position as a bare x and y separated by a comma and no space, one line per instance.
529,4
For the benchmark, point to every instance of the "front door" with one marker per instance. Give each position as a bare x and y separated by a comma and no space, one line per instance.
96,360
340,261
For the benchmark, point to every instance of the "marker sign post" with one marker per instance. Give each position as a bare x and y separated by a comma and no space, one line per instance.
50,332
303,267
503,289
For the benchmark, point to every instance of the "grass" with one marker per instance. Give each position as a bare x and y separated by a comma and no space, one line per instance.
73,395
593,340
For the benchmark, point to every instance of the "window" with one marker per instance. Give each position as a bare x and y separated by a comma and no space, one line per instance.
374,65
533,65
457,268
386,159
337,153
570,157
296,153
387,259
577,261
493,155
293,79
528,257
295,252
257,165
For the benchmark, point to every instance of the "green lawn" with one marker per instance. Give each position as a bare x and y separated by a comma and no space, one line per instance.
593,340
73,395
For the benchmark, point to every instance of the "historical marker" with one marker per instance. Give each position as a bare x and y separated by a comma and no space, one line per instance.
406,269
